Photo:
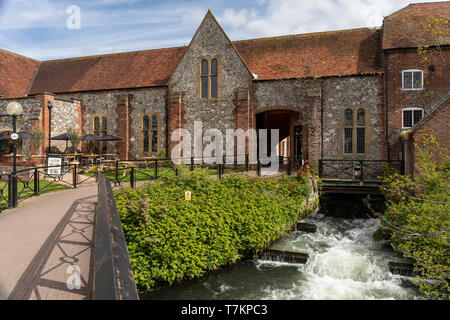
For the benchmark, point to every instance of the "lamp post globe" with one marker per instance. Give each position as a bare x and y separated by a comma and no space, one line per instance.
14,109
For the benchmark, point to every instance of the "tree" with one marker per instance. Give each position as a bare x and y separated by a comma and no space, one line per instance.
74,138
417,219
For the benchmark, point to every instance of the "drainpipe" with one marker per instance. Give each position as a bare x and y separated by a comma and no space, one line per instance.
167,121
321,117
386,70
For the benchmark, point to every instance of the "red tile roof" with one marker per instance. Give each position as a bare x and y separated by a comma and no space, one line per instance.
112,71
17,73
335,53
405,28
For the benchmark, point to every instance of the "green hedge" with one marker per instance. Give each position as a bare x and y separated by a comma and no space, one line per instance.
170,239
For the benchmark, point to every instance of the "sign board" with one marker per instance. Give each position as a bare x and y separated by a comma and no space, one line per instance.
14,136
187,195
53,161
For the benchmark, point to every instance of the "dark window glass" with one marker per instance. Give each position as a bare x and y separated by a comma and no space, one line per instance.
146,142
407,119
214,87
154,141
348,140
360,140
146,124
417,115
154,122
360,117
214,67
348,118
417,84
205,67
407,80
205,87
96,125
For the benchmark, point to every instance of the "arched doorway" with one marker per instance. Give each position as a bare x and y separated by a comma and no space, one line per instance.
291,142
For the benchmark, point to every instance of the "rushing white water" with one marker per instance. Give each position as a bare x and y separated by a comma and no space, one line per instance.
344,263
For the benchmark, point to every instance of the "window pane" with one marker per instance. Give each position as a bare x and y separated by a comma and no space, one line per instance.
146,124
361,140
214,66
154,122
204,67
146,142
417,80
407,80
417,115
213,86
348,140
348,118
96,125
407,119
360,117
205,87
104,125
154,141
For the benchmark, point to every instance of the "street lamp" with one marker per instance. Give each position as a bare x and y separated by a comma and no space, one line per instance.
14,109
50,106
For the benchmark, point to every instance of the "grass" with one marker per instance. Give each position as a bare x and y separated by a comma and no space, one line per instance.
23,194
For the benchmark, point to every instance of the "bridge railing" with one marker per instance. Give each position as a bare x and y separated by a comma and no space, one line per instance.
113,275
347,170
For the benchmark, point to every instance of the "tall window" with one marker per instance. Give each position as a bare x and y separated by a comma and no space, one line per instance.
354,131
150,133
348,131
412,79
100,127
209,78
411,116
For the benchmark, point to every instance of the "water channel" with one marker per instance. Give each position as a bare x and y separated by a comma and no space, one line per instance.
344,263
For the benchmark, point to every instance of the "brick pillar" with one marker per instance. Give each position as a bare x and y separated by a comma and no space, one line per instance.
176,116
44,124
244,116
123,126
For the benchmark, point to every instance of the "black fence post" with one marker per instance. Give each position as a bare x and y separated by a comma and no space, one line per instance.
117,171
156,169
258,168
192,163
246,162
320,168
289,166
132,178
10,192
362,170
36,181
402,167
74,176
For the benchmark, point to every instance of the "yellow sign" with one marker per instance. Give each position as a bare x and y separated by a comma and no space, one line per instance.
361,183
187,195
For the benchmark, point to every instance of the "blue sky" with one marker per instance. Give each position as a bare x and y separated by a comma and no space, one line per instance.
38,28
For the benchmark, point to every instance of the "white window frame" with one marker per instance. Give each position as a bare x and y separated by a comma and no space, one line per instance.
412,110
403,80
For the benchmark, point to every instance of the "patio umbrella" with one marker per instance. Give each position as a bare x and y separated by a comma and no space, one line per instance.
107,137
90,137
63,136
22,135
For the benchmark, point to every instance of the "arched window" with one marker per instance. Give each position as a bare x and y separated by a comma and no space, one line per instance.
99,128
204,79
209,78
214,71
361,131
150,133
348,131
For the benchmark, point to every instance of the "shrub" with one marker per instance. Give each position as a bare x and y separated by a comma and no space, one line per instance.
171,239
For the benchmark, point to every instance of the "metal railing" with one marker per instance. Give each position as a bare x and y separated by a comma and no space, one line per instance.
113,275
348,170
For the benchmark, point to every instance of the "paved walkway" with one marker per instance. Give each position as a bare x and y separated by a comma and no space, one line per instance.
46,243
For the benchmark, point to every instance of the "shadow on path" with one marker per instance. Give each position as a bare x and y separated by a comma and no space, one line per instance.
64,258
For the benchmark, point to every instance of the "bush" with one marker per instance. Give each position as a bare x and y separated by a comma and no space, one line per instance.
171,239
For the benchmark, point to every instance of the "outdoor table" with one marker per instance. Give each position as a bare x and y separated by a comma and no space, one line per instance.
10,156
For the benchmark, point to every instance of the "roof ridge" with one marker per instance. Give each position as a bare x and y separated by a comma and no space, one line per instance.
113,54
309,34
